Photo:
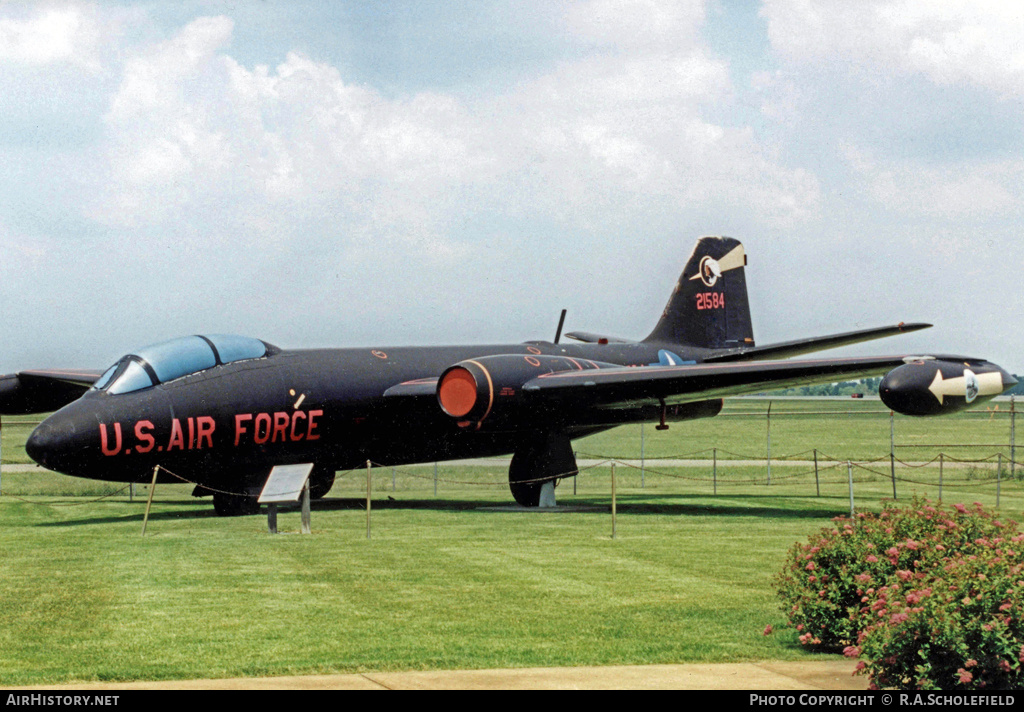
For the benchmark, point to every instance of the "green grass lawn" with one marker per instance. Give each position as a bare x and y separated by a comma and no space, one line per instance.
441,584
446,581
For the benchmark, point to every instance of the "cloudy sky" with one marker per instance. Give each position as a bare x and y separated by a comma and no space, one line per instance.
420,172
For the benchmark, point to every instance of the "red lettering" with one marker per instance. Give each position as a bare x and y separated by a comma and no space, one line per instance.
239,419
103,439
295,421
313,414
191,433
263,418
205,425
281,421
710,300
177,436
145,437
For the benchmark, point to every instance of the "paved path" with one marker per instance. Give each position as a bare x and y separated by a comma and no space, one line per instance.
829,674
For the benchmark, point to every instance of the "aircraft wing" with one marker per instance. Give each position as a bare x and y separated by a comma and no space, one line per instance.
628,387
799,347
43,391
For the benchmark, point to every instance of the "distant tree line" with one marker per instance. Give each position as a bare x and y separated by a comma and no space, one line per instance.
1017,390
865,386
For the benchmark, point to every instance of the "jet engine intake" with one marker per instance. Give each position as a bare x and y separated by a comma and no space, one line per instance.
475,389
930,386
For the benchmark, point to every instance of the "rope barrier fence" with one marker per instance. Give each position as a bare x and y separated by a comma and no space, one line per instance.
745,461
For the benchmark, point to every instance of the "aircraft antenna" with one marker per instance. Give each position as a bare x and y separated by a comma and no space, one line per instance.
558,332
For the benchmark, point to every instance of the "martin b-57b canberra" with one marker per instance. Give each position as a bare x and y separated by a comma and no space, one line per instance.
222,411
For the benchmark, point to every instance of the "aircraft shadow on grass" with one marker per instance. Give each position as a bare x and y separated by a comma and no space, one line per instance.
761,506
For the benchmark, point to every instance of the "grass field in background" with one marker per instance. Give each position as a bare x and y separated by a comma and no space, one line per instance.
452,581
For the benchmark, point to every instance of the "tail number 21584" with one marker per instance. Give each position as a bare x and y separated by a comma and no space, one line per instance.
710,300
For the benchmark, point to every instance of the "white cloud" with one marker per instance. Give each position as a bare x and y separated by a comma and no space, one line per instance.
60,33
644,25
974,42
190,125
953,192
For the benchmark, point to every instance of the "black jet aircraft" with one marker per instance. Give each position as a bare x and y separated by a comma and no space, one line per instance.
221,411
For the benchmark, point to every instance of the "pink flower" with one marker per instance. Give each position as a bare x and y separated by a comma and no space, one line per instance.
851,651
971,663
871,559
904,575
960,508
1004,665
892,551
768,629
965,676
811,566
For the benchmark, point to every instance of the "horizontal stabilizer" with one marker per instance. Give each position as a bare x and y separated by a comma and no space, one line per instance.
43,391
589,338
799,347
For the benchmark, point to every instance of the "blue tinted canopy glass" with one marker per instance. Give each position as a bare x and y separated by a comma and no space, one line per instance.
179,357
174,359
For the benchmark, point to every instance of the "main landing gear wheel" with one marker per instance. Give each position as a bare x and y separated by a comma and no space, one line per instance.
234,505
541,459
321,479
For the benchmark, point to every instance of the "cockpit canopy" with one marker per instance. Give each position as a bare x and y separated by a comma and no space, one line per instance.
173,359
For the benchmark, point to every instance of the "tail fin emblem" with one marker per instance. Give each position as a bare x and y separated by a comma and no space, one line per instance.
709,271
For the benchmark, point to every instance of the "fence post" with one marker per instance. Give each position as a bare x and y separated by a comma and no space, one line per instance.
149,502
849,476
1013,444
942,456
769,442
641,455
613,500
817,483
892,450
714,468
999,477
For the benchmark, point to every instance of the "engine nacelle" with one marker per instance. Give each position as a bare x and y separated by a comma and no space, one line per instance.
475,389
936,387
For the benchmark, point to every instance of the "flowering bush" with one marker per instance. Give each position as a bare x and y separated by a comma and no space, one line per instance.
824,581
955,626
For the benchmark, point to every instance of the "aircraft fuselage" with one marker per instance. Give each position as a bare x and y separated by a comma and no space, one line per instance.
324,405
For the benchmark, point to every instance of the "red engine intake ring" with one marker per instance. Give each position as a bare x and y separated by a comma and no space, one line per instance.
457,392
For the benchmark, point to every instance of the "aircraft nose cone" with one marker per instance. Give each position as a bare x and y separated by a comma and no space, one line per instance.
38,444
47,442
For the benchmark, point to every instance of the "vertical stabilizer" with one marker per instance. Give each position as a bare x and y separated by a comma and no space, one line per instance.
708,308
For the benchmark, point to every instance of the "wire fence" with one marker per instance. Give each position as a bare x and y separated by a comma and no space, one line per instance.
778,447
